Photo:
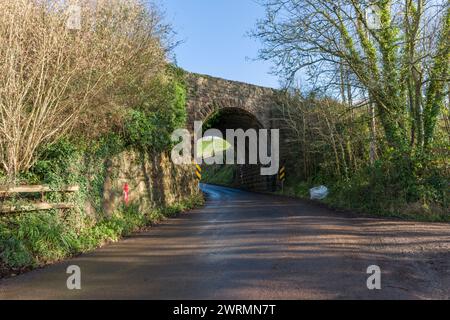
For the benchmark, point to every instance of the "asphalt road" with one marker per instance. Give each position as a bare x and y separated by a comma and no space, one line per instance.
251,246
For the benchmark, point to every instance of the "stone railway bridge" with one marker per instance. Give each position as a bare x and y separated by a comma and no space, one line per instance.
241,106
154,180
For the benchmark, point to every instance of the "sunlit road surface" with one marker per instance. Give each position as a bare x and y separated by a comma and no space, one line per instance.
252,246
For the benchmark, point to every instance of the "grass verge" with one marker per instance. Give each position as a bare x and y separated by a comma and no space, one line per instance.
32,240
363,202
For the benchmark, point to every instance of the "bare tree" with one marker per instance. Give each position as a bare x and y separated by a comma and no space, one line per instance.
52,77
402,63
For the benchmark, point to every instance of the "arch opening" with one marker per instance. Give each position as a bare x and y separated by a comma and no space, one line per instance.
244,176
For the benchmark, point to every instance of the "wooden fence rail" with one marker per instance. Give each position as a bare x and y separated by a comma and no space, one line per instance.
7,192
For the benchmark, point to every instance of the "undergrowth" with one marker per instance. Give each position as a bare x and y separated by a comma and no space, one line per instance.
384,190
35,239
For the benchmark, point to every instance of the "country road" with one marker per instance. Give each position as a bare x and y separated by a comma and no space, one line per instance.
251,246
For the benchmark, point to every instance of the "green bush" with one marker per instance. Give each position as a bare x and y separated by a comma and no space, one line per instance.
150,126
56,165
394,186
33,239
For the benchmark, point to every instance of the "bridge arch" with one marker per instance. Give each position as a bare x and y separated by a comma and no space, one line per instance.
208,95
232,118
237,105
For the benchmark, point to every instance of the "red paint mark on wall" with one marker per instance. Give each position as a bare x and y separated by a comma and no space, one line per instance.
126,190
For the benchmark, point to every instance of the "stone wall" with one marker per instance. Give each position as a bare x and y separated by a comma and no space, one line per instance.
208,94
154,181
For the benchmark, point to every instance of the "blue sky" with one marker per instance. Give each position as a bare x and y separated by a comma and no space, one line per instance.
215,40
